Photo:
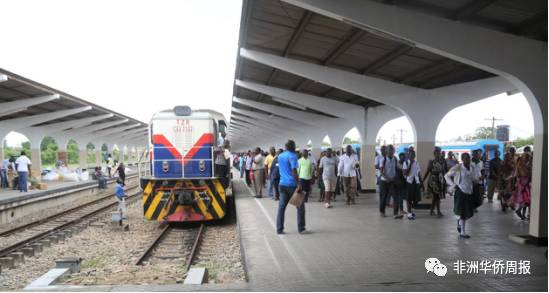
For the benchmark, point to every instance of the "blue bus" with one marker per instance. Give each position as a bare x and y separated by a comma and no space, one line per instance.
486,145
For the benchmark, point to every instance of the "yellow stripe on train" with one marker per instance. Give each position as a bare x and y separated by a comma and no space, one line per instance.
159,206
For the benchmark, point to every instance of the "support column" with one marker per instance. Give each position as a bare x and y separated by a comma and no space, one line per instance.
315,152
376,117
82,158
523,65
98,158
62,156
424,153
36,159
367,162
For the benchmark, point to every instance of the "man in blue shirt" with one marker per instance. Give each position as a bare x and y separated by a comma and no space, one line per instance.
287,168
119,193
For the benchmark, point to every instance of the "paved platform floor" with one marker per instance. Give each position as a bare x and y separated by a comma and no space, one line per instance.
8,195
352,248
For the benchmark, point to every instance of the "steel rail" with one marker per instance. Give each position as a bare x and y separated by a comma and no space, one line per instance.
14,247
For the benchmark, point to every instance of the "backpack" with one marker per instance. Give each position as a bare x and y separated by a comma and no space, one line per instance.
396,169
274,169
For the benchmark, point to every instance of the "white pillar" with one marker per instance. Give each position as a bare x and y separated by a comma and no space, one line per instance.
98,158
82,158
523,63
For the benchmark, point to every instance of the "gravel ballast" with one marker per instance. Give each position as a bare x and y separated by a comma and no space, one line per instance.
109,255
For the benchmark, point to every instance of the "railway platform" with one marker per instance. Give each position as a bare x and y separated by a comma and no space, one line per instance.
16,206
352,248
7,195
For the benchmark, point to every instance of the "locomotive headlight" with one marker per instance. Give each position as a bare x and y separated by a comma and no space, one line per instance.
165,166
202,165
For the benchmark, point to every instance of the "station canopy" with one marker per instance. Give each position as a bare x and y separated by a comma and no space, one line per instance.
21,97
281,29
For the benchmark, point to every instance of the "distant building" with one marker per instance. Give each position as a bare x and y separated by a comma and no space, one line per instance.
502,133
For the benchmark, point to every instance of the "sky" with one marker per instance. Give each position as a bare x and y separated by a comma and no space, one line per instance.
134,57
513,110
138,57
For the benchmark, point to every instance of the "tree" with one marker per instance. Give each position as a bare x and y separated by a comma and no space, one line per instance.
483,133
90,153
73,153
48,148
325,144
520,142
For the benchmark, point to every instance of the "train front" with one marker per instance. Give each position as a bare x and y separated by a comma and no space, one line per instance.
181,186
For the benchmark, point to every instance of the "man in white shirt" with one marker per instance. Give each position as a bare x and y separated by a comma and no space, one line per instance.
388,167
348,163
327,169
221,139
4,173
22,164
378,162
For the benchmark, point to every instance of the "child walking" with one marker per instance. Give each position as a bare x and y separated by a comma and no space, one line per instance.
461,179
412,173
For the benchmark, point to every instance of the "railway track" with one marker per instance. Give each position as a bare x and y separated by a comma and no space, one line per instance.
173,245
22,236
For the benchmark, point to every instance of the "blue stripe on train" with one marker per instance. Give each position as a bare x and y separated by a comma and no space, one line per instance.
174,170
203,153
161,154
192,169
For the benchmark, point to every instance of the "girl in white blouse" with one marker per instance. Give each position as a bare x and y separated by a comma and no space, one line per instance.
412,173
461,179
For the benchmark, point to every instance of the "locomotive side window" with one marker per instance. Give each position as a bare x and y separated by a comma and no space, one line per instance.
215,133
222,126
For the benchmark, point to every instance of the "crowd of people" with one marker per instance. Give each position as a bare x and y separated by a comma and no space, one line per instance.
334,173
15,172
400,179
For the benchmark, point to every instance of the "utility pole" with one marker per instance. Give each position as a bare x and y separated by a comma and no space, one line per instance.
493,119
401,134
394,138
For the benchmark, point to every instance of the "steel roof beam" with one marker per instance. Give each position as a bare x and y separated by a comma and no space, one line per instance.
325,105
135,131
304,117
24,122
354,35
65,125
387,58
531,24
254,127
94,127
23,104
293,40
422,70
470,9
282,122
259,122
116,130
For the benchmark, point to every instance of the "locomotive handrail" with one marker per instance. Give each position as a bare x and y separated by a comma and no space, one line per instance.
143,165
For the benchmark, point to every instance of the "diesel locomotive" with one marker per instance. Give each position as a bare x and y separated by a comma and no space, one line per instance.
179,179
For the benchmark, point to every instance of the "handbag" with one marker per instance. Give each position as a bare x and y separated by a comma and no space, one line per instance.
251,175
297,198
